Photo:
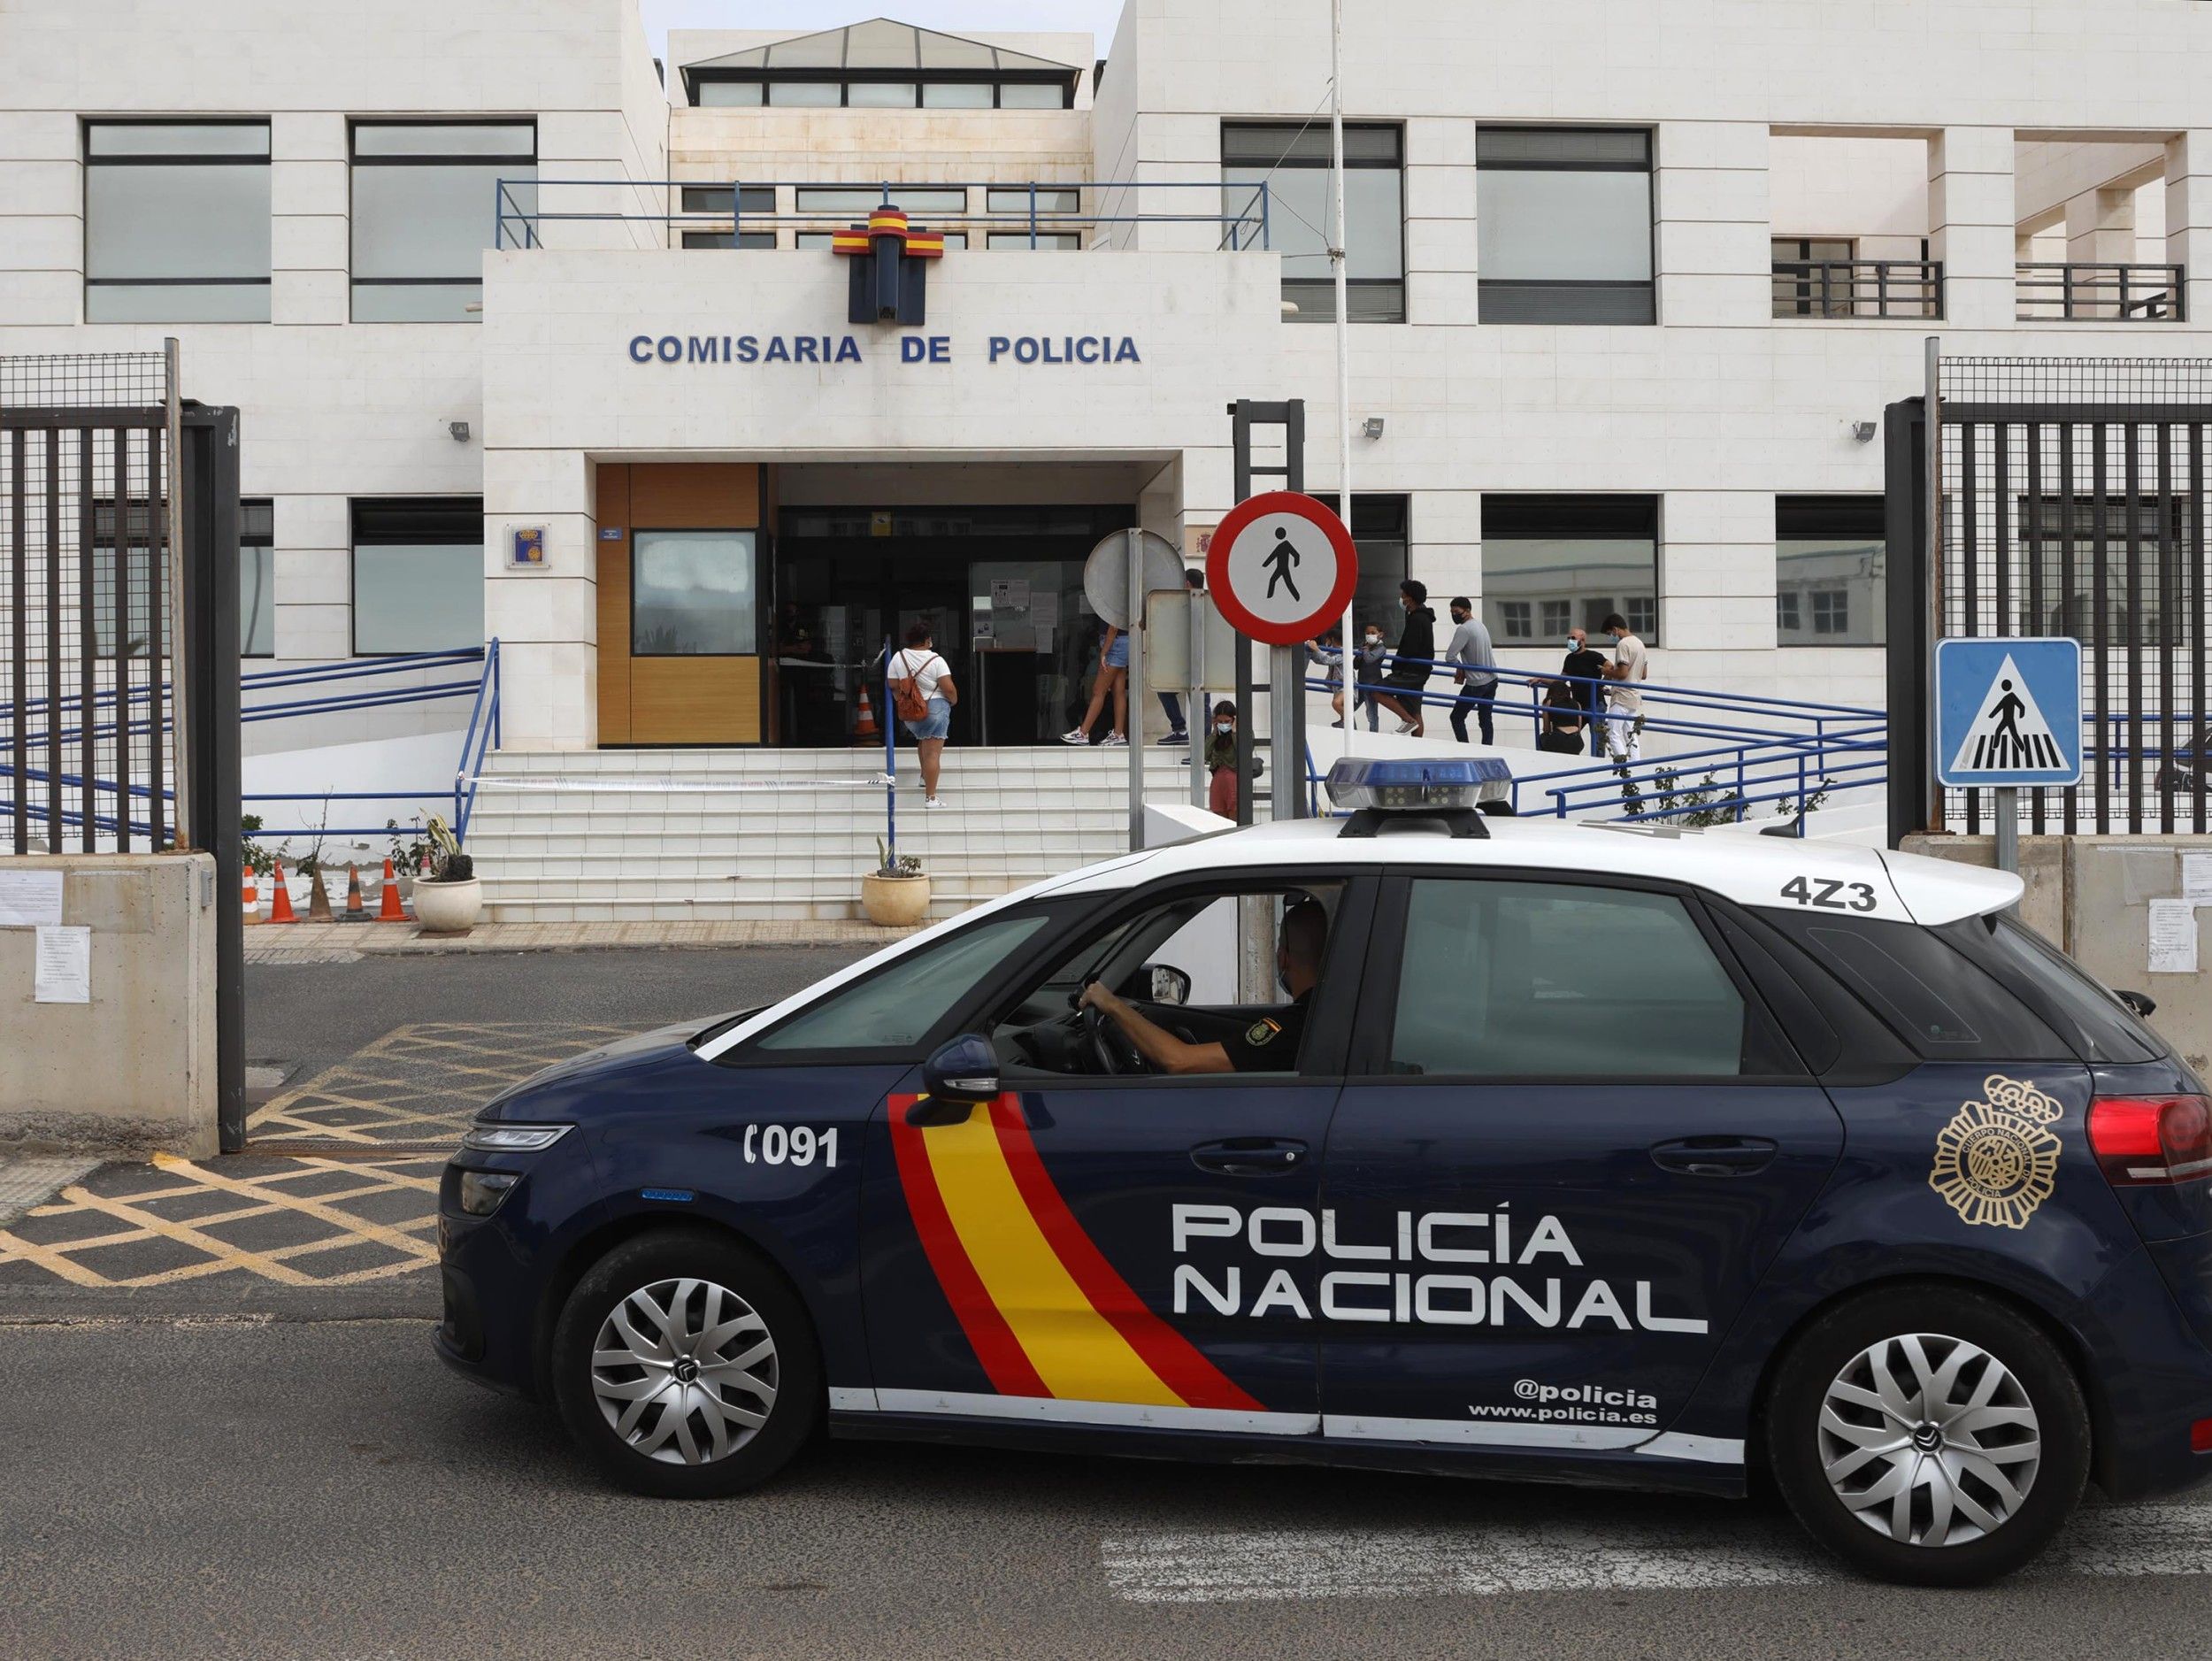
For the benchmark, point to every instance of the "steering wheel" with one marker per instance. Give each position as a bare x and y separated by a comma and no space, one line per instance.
1109,1045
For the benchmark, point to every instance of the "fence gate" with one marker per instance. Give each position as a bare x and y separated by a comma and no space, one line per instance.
2074,494
103,560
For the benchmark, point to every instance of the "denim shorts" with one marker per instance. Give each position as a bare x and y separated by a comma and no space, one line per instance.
1117,654
936,724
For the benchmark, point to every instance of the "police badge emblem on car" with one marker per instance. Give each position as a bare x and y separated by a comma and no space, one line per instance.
1996,1161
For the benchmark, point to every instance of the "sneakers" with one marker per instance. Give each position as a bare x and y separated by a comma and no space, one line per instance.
1178,736
1115,740
1079,736
934,802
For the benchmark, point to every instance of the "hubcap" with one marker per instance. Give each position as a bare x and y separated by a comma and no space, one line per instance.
683,1371
1929,1440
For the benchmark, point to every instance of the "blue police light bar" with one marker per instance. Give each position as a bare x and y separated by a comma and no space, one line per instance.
1401,784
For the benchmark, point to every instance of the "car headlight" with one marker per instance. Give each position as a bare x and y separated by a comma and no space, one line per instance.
513,1138
481,1191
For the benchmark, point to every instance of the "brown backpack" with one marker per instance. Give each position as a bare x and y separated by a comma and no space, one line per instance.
907,702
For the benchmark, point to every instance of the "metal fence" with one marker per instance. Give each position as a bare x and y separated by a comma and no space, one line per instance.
2074,499
1858,288
87,566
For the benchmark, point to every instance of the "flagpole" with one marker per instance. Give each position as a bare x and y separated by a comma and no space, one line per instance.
1343,345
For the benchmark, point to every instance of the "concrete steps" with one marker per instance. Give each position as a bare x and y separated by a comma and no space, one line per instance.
712,835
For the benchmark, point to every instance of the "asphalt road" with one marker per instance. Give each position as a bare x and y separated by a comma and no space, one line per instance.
228,1469
303,1016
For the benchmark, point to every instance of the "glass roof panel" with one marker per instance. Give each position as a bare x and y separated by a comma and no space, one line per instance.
880,43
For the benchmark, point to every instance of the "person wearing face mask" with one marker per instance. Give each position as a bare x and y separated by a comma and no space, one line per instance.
1412,664
1474,670
1221,760
1366,672
1586,666
1269,1044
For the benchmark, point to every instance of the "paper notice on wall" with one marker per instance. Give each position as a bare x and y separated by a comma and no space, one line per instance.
2173,937
2196,878
64,972
28,898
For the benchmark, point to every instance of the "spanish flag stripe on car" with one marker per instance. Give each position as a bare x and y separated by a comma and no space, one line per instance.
1012,1259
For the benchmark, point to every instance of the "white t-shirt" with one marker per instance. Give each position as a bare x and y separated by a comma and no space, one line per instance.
922,666
1633,656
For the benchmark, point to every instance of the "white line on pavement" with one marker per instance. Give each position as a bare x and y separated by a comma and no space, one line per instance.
1271,1564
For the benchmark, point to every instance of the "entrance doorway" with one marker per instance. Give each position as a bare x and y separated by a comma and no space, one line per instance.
1001,587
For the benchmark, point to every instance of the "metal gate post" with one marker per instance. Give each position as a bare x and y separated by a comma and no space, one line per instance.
1911,656
1286,721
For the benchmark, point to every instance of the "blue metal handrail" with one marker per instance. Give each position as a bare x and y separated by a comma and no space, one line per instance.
515,223
475,741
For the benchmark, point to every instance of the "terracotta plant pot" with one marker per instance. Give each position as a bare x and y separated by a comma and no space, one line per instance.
448,908
895,902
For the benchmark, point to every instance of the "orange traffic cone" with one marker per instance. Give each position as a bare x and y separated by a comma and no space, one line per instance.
355,911
248,895
422,868
864,722
389,911
280,898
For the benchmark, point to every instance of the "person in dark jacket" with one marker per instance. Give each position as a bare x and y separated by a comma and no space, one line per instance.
1414,661
1588,665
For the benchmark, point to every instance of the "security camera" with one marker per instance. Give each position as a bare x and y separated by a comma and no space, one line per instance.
1864,431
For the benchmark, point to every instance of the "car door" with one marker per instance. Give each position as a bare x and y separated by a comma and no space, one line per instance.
1109,1251
1571,1141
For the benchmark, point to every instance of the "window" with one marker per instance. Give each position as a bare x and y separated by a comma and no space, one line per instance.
417,574
916,199
257,579
425,197
898,1006
1558,618
176,226
880,65
1564,224
1592,555
692,593
1930,995
2061,549
1066,241
1829,556
1379,532
714,201
1807,280
1550,980
2100,1028
1292,161
1512,617
135,559
1021,199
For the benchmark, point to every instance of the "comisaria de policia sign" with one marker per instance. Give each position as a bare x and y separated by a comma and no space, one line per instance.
846,349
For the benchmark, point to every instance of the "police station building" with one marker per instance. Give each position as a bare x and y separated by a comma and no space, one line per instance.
1630,284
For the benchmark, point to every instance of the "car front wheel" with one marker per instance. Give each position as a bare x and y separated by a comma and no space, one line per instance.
1930,1437
686,1367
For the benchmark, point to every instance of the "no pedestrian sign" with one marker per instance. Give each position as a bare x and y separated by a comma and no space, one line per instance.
2008,712
1281,567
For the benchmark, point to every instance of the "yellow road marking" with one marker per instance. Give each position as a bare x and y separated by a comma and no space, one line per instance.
382,1234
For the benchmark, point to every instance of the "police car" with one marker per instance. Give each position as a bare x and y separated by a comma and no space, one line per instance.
1417,1139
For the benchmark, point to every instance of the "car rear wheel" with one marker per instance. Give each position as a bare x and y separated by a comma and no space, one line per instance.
686,1367
1929,1436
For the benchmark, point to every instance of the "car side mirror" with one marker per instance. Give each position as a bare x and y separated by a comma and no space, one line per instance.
1156,983
960,1077
2140,1003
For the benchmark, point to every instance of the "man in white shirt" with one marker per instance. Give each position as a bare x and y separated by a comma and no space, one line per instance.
1625,716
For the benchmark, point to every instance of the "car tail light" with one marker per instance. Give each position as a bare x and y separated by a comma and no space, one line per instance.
2152,1140
2201,1436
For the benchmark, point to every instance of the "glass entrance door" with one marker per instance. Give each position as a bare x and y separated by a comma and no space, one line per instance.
1000,588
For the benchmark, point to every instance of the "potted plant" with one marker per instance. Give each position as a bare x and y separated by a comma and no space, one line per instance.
895,894
450,899
406,848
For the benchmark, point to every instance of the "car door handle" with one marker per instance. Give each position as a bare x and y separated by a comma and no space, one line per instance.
1715,1156
1249,1157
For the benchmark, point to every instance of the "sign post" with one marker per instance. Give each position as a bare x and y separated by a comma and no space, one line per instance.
2008,717
1120,571
1281,567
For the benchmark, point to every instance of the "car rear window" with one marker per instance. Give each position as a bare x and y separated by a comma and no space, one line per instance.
1933,996
2100,1028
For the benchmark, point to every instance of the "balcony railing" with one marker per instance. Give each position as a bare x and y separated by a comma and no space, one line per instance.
1858,288
2075,291
1016,211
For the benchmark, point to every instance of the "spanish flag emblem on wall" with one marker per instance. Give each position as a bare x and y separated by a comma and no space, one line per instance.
1045,1312
887,271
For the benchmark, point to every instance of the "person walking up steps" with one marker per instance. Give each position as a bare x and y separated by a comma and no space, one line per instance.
1112,682
922,696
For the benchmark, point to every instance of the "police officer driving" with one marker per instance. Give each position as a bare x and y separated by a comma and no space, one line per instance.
1270,1044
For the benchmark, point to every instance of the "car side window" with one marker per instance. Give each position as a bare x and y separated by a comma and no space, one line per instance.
1505,978
898,1006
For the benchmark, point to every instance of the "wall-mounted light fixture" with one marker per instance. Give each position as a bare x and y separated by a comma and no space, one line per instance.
1373,427
1864,431
460,431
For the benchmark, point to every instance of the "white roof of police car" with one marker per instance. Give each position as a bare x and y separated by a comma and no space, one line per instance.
1742,865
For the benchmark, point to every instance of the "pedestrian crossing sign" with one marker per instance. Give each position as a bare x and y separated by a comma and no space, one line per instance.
2007,712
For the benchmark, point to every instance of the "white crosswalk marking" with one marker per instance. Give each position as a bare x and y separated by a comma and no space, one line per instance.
1255,1565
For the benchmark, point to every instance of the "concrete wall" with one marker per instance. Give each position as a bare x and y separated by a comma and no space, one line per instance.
134,1070
2091,895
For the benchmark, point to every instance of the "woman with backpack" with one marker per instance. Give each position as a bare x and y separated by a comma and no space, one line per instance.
922,696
